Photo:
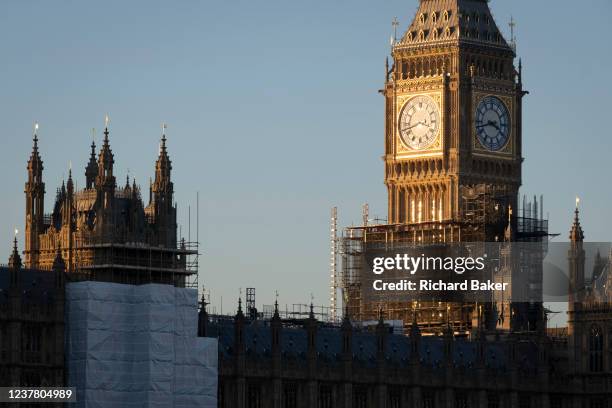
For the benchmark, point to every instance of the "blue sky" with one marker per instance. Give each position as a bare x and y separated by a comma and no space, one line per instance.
273,116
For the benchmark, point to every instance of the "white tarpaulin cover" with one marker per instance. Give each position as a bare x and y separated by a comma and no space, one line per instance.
137,346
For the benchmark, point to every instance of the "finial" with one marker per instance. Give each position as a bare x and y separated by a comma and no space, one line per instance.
509,214
164,126
577,202
15,239
106,121
394,24
512,25
35,130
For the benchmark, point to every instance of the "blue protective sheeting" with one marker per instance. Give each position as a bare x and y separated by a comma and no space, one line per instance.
137,346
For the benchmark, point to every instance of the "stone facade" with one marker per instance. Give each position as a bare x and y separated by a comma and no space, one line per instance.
105,232
31,324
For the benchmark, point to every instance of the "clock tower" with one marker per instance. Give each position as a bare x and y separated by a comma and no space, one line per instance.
453,112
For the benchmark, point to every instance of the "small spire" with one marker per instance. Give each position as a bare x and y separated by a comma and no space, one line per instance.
106,122
70,183
15,259
576,233
395,25
512,25
35,137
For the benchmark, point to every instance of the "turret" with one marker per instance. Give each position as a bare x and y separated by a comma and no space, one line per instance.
276,326
91,171
68,202
161,197
239,341
105,183
35,198
576,263
14,264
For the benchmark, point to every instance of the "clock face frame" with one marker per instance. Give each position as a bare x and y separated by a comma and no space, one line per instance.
419,122
492,123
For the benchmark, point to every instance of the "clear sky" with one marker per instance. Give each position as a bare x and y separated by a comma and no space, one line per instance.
273,116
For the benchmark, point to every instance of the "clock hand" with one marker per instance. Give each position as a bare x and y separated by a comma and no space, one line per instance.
494,124
413,126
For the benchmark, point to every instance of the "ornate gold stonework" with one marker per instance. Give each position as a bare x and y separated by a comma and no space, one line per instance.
456,61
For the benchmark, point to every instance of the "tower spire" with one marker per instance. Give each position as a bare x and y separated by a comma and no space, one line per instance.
35,197
576,233
91,171
15,259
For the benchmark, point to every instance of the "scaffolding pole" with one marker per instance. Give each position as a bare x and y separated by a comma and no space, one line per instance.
333,262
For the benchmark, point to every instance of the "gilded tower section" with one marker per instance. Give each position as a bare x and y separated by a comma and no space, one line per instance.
453,114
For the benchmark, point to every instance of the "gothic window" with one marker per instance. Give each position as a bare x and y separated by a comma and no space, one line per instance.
446,16
434,17
461,400
434,34
556,401
476,18
290,395
395,397
596,349
30,379
410,36
31,344
253,397
493,400
422,18
421,35
428,399
447,32
360,397
325,397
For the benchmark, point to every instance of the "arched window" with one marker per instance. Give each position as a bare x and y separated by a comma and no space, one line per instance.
446,17
447,32
596,349
422,18
421,36
434,17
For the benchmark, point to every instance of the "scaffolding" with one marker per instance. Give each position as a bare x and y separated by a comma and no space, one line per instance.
333,263
484,219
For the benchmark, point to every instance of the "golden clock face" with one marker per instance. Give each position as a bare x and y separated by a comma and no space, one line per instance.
419,122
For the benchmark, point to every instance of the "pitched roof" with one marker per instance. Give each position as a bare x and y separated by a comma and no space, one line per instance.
453,21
